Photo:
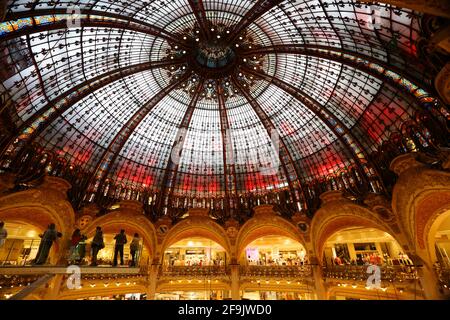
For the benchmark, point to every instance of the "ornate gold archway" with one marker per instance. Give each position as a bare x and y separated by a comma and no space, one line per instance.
130,222
419,198
338,213
265,223
197,226
40,207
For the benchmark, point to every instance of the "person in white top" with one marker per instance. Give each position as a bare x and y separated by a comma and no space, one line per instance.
3,234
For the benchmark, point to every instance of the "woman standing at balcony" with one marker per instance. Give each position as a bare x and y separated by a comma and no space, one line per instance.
49,236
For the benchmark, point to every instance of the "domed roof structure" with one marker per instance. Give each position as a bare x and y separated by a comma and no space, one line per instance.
190,102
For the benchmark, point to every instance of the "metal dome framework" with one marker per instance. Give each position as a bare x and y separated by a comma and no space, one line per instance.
120,89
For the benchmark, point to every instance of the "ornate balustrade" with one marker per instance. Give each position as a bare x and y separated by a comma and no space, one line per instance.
196,272
277,272
360,273
11,284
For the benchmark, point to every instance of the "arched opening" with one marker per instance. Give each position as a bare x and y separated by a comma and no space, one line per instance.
105,256
274,251
195,252
197,228
21,245
261,227
194,268
361,262
360,246
275,267
439,242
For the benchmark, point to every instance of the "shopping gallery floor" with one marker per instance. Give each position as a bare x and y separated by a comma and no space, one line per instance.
224,150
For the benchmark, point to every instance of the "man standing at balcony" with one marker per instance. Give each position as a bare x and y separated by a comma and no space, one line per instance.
97,245
121,240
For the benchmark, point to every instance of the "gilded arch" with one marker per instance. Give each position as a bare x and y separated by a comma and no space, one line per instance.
131,222
419,198
338,213
265,223
38,208
197,226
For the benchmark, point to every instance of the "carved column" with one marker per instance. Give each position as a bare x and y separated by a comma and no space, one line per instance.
54,191
54,287
153,279
235,283
320,286
427,278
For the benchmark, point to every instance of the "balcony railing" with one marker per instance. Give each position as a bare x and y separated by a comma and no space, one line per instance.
194,272
360,273
279,272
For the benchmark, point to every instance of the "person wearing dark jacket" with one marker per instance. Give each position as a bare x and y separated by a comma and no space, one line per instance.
121,240
96,245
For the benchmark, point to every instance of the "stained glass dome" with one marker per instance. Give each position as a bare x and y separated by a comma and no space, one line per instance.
209,102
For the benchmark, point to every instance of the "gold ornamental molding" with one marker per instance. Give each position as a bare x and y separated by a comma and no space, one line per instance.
420,195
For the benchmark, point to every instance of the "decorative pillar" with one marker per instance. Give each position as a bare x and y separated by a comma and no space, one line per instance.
54,287
427,278
54,191
235,283
319,284
153,279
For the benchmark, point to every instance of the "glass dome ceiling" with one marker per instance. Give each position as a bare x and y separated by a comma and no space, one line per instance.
195,98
